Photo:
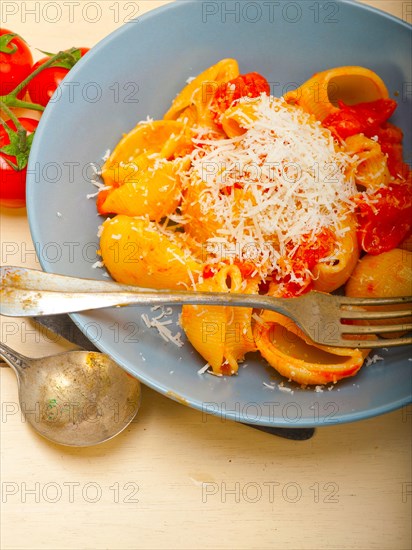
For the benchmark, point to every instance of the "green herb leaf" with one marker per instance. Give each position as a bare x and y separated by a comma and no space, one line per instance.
18,147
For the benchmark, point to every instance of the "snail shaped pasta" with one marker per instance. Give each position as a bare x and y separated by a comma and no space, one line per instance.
352,84
141,175
387,274
372,168
193,102
297,357
222,335
135,253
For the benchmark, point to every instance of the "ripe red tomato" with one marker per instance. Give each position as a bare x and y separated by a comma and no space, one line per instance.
390,139
363,118
15,61
42,87
245,85
301,262
385,219
13,182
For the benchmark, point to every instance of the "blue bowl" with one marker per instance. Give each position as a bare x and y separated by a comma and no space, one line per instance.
136,72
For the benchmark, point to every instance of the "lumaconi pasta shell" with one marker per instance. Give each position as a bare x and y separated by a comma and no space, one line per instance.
201,225
233,119
131,153
155,193
203,87
222,335
332,274
385,274
352,84
295,356
135,253
372,168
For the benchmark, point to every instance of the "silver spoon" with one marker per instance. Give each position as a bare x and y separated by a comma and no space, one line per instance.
76,398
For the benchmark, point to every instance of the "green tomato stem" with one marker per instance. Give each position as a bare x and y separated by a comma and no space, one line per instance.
9,113
12,101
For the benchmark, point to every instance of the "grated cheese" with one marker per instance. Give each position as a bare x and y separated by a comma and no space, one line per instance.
283,181
371,360
162,328
203,369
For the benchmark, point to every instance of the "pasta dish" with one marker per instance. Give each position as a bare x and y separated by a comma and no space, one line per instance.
236,190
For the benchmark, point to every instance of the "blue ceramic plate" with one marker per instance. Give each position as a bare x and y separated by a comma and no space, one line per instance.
136,72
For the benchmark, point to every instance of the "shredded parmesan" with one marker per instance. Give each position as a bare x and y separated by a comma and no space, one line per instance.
203,369
371,360
274,187
162,328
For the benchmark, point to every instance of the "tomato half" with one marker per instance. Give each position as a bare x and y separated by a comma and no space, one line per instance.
13,182
15,61
42,87
384,219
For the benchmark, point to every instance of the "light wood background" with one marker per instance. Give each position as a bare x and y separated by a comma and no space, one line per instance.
174,479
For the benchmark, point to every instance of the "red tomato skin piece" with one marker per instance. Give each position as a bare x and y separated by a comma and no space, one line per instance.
388,222
365,118
245,85
13,182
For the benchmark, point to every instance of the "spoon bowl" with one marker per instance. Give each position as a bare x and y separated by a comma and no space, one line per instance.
76,398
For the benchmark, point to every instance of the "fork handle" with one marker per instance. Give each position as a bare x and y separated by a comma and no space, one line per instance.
29,292
17,302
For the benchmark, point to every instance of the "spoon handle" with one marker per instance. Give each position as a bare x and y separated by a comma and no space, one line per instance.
17,361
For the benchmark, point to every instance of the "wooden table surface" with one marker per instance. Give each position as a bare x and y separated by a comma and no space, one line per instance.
175,479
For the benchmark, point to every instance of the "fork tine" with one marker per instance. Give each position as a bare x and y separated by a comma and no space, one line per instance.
372,329
367,314
351,301
381,343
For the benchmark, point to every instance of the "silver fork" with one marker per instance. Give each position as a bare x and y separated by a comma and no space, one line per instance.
326,319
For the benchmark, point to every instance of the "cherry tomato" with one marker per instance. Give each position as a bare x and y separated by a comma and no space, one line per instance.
15,61
209,271
302,262
390,139
227,189
247,269
13,182
42,87
363,118
245,85
384,220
